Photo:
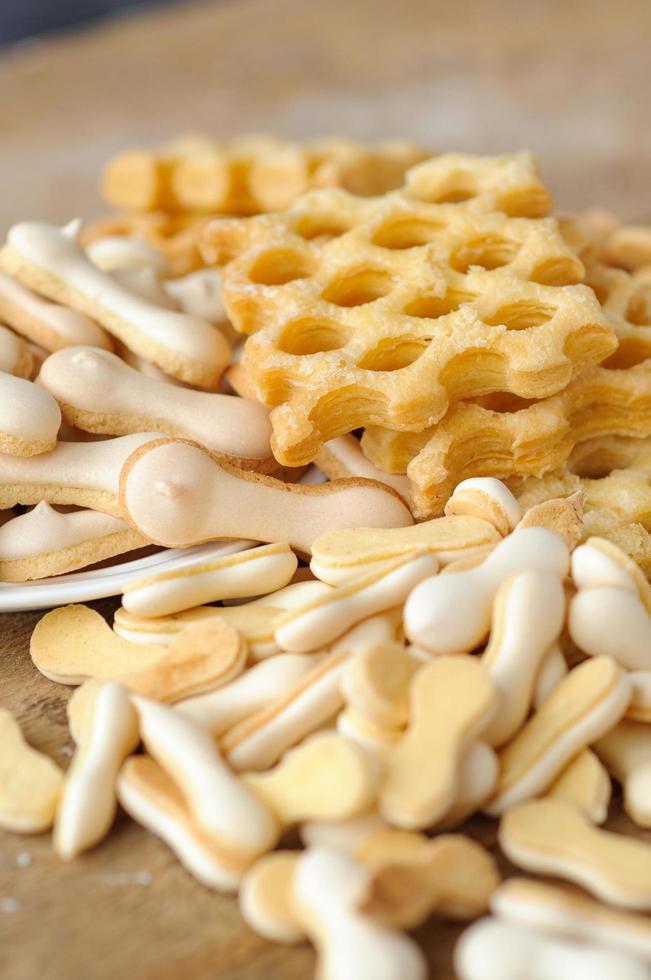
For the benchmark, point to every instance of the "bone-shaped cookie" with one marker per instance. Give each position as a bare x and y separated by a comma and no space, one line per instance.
551,672
452,613
98,392
569,913
640,707
49,325
585,783
246,573
528,616
585,705
488,499
261,738
477,779
88,802
29,417
179,495
30,782
611,622
452,701
376,683
414,877
552,837
599,563
338,556
217,799
626,752
16,357
496,950
325,618
84,474
328,888
325,778
265,897
49,260
152,798
343,457
45,542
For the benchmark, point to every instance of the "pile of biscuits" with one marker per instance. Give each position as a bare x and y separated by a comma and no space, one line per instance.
457,622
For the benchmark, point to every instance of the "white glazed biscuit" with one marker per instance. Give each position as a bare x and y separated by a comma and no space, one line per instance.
16,357
343,456
45,542
178,495
98,392
487,498
452,613
29,417
246,573
49,260
49,325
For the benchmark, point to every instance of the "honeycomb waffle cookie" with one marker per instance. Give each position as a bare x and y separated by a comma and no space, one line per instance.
45,542
388,322
250,173
175,236
50,260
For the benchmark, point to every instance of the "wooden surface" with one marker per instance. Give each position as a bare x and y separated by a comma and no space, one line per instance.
568,80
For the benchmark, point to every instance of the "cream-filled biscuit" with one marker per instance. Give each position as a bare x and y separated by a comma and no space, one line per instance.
586,784
98,392
176,494
246,573
45,542
49,260
611,622
487,498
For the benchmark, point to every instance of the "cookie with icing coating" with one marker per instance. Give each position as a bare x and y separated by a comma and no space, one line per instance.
16,356
29,417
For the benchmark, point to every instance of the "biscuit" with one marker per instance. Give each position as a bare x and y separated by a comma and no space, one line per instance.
339,556
84,474
16,356
452,702
552,671
528,617
554,838
50,325
324,619
98,392
563,516
495,950
96,651
343,457
626,752
30,782
154,800
328,887
249,173
50,260
586,784
30,417
219,802
629,247
175,236
88,803
178,495
266,898
246,573
452,613
113,252
567,913
326,777
413,877
487,499
377,682
611,622
327,361
255,689
585,705
45,542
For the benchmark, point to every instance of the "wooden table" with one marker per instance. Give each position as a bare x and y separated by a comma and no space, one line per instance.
569,81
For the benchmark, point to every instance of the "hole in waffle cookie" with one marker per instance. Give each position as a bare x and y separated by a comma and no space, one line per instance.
555,272
638,311
393,354
406,232
358,288
310,226
520,315
456,194
487,252
432,307
311,336
274,268
631,351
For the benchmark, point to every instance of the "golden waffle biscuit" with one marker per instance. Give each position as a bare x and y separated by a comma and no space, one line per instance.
416,305
250,173
175,236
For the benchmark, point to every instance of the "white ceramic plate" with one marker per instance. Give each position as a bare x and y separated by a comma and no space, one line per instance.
103,582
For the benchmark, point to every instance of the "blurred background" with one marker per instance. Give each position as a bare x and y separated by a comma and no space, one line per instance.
81,79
